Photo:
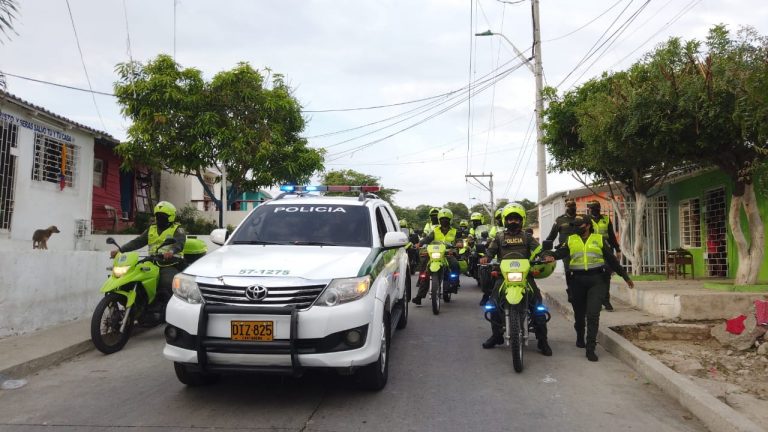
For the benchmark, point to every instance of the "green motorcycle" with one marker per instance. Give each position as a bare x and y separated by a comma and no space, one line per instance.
438,272
130,294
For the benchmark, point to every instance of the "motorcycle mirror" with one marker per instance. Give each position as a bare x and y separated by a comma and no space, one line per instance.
111,241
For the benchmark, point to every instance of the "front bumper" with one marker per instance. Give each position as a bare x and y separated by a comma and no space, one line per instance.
311,338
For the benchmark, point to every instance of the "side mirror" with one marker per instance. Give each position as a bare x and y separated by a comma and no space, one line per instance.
395,239
111,241
219,236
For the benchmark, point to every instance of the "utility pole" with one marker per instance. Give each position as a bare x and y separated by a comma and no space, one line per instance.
489,188
541,164
223,209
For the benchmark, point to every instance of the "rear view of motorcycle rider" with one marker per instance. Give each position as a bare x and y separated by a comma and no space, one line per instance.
513,242
164,227
442,233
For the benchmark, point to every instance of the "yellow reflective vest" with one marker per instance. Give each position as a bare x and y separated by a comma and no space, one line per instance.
155,240
586,255
448,237
601,225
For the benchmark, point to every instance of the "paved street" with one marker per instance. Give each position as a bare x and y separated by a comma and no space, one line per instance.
440,379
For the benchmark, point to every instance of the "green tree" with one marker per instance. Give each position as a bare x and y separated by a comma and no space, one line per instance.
532,211
351,177
724,92
459,210
241,121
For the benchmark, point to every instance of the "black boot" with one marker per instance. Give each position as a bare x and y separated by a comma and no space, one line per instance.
608,306
591,356
544,347
580,340
492,341
416,301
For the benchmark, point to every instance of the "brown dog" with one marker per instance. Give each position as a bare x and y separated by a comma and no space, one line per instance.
41,236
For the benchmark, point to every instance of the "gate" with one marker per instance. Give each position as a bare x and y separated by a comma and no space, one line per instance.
655,234
714,218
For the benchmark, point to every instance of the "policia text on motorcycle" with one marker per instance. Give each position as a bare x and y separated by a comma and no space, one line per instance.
515,243
442,233
589,258
164,227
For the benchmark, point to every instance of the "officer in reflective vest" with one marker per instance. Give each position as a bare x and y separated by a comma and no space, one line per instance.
443,233
602,225
562,228
432,222
165,227
589,258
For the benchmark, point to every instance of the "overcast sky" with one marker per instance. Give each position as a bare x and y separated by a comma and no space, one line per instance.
361,53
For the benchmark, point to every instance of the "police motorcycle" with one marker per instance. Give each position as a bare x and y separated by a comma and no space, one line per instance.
130,293
438,273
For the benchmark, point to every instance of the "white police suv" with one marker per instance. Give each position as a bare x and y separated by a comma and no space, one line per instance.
305,281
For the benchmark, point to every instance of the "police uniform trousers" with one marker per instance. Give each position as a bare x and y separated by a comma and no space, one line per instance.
498,318
588,290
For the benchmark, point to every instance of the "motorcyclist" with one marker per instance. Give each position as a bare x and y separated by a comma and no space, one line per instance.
515,243
154,236
442,233
413,239
463,230
498,224
476,219
432,222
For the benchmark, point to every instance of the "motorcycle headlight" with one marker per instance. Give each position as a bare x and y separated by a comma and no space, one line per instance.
120,271
344,290
436,255
185,288
515,277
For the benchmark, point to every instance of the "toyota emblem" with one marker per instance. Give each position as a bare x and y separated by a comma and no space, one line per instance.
256,292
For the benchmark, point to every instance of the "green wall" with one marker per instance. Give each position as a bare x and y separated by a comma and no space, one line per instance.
696,187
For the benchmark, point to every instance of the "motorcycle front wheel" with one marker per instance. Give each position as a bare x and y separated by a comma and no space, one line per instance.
516,329
106,321
435,293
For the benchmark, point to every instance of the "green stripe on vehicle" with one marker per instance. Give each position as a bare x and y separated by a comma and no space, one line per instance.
375,262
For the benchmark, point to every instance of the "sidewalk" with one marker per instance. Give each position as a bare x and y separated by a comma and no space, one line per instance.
716,415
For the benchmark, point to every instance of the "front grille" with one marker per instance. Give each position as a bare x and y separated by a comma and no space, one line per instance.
300,297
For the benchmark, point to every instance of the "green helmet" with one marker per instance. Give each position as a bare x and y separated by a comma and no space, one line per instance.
445,213
434,211
477,217
497,216
540,271
403,223
512,208
463,223
166,208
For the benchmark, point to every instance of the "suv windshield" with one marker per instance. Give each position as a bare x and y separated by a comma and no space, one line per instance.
306,224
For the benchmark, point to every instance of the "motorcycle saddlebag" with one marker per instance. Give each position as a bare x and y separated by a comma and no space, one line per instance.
194,248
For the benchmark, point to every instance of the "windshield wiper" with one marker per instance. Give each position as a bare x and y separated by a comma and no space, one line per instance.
257,242
314,243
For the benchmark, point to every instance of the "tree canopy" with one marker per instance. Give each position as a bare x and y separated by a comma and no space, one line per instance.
351,177
243,121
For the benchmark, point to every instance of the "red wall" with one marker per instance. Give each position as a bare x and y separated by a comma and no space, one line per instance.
109,194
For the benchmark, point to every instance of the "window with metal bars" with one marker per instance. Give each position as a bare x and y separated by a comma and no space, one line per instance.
8,135
690,223
54,158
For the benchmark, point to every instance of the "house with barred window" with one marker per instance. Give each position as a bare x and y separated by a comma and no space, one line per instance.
55,172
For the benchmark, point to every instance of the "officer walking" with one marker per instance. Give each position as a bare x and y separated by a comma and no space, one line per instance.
442,233
515,243
589,257
602,225
562,228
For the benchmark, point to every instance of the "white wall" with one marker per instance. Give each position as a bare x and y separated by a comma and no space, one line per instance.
40,204
40,289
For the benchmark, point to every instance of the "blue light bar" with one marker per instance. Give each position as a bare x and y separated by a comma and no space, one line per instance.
287,188
316,188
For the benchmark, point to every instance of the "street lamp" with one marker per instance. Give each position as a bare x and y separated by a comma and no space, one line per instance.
541,169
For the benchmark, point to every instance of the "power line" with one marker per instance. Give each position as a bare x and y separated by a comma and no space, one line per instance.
585,25
57,84
82,60
526,140
469,78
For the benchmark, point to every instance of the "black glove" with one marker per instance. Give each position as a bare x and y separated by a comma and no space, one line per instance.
547,244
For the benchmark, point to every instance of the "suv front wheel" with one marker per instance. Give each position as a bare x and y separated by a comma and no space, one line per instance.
374,376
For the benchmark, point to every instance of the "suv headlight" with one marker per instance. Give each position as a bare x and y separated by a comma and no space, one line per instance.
515,277
185,288
344,290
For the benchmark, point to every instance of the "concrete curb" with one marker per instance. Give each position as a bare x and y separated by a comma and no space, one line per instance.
34,365
716,415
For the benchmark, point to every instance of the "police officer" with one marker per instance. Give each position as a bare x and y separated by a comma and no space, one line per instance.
463,231
443,233
562,228
602,225
515,243
589,257
497,225
165,227
476,219
432,222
